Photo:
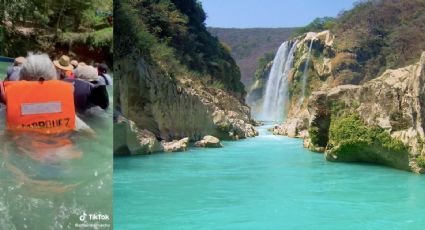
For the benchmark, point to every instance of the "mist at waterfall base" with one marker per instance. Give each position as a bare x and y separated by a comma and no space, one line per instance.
49,182
266,182
276,92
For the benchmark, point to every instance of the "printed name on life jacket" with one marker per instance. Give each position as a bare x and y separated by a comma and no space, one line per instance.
41,108
48,124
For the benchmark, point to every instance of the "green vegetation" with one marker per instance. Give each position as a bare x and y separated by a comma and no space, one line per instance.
319,131
383,34
350,130
317,25
338,108
63,15
420,142
374,36
398,122
262,68
96,39
260,77
420,160
249,45
50,26
314,132
172,35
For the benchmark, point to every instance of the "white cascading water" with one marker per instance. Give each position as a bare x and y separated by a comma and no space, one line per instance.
305,73
276,94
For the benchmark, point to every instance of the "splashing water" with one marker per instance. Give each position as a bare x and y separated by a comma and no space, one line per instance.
48,182
276,94
305,73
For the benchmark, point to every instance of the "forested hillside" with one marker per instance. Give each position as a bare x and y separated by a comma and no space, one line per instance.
248,45
174,33
373,36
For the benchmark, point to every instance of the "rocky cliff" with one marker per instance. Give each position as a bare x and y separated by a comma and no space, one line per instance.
174,82
380,121
174,108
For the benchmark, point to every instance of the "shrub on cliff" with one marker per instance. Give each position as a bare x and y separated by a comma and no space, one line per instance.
349,129
262,66
420,160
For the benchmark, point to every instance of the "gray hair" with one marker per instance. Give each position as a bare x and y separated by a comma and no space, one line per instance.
37,67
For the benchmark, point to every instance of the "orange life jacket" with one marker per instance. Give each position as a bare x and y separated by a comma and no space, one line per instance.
40,106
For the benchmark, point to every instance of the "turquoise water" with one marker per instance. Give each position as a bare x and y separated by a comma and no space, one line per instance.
50,182
3,69
267,182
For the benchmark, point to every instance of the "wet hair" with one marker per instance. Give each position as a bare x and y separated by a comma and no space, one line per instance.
38,67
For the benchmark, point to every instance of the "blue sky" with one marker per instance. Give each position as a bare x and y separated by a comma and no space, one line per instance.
270,13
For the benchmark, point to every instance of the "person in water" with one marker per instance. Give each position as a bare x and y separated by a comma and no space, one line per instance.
64,67
86,94
38,102
104,79
40,112
13,71
74,64
99,94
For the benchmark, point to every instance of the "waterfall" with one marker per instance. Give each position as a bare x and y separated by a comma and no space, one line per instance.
276,94
305,72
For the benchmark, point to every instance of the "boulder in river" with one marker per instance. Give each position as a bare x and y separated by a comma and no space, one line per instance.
130,140
176,145
209,142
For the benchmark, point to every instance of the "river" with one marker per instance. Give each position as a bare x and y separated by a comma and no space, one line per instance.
266,182
50,183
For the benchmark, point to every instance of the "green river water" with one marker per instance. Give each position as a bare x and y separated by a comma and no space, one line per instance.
56,182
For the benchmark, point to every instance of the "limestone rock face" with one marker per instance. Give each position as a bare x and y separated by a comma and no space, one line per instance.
292,127
209,142
130,140
176,145
395,101
174,107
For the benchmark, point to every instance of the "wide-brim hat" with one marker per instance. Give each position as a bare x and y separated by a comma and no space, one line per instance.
87,73
63,63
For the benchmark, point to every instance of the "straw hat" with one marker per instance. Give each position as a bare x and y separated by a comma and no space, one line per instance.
63,63
19,61
87,73
74,63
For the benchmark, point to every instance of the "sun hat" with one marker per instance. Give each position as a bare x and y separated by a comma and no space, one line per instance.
63,63
74,63
82,64
87,73
19,61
